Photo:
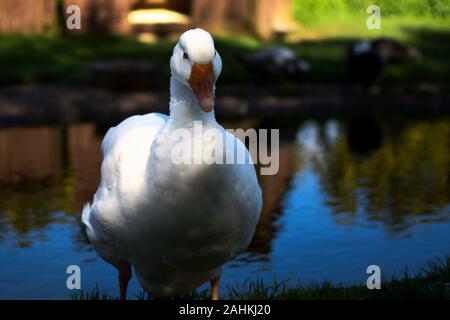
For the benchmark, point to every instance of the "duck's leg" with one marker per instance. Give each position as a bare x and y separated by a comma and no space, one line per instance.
124,278
215,288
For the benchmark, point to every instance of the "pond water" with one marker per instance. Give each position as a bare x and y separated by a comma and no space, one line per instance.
349,193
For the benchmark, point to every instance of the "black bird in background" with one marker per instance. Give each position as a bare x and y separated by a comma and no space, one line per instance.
366,59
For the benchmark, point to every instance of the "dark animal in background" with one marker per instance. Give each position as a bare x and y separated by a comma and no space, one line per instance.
274,63
366,59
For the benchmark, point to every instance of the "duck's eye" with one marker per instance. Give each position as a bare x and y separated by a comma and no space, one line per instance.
185,55
215,53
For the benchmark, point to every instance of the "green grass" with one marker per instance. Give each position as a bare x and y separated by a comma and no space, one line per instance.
311,11
324,42
41,58
321,40
431,282
329,25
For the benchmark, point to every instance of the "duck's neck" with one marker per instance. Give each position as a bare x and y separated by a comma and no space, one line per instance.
184,108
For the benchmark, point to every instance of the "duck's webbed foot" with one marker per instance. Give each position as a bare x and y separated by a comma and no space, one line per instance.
215,288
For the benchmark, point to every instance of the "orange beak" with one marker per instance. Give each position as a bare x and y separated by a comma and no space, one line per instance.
202,82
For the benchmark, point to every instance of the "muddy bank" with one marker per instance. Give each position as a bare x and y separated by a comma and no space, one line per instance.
51,104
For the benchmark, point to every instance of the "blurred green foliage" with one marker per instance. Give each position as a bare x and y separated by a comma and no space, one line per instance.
307,11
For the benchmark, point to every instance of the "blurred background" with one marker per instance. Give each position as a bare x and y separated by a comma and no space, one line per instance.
363,116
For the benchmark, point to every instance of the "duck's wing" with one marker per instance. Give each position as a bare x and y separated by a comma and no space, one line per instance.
245,178
126,151
150,123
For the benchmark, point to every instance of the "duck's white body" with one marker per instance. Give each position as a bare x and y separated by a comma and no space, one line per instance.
176,224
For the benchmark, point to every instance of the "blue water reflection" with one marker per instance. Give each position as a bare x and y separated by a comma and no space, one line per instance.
349,193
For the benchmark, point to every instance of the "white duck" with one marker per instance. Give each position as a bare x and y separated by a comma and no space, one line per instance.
175,224
274,63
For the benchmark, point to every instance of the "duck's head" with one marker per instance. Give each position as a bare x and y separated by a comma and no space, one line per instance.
195,63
